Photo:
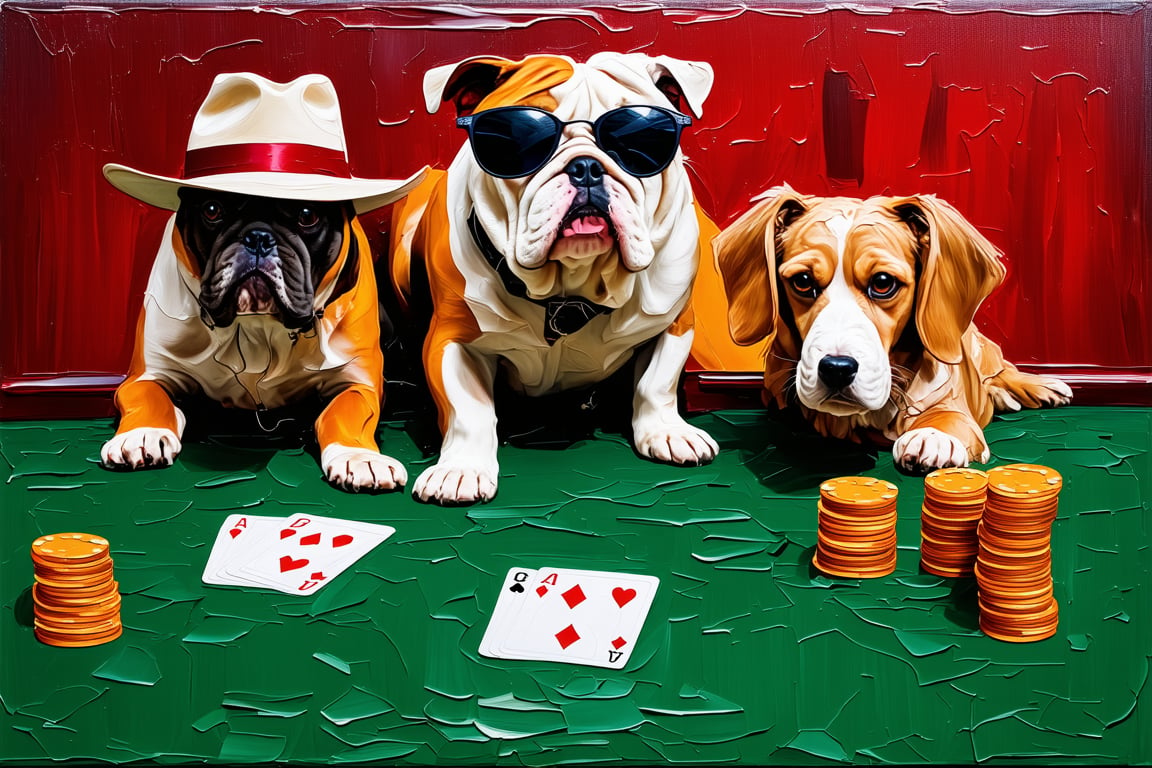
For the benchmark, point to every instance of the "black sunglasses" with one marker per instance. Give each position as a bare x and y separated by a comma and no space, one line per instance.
510,142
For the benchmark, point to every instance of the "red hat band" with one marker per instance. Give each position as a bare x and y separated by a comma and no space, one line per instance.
271,158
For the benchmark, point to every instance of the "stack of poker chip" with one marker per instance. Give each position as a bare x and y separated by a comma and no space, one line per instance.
75,598
856,535
1014,559
953,505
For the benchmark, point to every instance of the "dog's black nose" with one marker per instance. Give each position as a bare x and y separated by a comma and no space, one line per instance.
259,242
585,172
837,371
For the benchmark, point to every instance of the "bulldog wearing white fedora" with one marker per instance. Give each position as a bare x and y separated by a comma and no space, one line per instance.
262,292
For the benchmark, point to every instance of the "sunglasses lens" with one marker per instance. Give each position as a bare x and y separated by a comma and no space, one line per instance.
513,142
642,140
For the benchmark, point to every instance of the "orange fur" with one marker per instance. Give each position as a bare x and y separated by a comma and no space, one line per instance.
351,417
143,403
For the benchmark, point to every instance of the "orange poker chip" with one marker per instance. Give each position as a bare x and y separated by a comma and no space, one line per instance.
93,628
74,591
854,572
956,483
87,583
857,494
96,566
50,638
69,548
1017,481
51,603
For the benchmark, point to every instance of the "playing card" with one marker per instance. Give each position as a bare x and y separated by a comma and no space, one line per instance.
512,597
239,537
580,617
308,551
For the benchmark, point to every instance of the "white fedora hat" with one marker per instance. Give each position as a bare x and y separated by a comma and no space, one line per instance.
256,137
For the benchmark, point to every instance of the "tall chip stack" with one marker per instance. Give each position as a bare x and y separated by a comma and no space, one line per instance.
76,602
953,505
1014,558
856,534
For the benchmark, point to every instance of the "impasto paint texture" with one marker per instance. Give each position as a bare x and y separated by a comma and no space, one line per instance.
1034,125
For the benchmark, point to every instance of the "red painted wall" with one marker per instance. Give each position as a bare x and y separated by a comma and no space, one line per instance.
1036,126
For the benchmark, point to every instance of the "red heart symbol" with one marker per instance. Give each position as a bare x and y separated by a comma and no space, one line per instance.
623,596
286,532
312,538
235,532
341,540
318,576
288,564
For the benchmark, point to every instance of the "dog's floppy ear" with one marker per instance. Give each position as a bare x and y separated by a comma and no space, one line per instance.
684,83
959,269
469,82
746,260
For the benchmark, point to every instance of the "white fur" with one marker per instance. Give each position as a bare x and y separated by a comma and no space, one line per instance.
925,448
356,469
144,446
842,328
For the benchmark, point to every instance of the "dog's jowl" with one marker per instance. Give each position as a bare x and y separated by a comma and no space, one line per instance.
262,292
561,243
868,308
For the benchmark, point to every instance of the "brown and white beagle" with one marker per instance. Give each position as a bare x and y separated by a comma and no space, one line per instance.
868,308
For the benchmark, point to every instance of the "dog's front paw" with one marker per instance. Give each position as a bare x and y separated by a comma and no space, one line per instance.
141,448
923,450
1014,390
359,469
676,444
452,483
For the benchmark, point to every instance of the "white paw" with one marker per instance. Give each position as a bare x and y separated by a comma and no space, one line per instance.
676,443
359,469
926,449
1055,392
141,448
452,483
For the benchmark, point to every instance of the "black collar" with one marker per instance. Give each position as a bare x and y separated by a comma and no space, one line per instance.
563,315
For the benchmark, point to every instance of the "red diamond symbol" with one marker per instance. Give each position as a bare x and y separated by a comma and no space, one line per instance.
567,636
574,596
541,591
619,642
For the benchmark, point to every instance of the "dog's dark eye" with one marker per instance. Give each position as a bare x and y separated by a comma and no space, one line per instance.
307,217
212,211
804,284
882,286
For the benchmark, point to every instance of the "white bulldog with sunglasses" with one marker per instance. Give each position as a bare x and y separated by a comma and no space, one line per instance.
561,244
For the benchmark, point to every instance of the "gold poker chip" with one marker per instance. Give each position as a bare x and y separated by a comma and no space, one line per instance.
69,548
75,597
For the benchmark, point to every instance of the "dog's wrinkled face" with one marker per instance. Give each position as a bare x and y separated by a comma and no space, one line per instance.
848,272
259,255
581,225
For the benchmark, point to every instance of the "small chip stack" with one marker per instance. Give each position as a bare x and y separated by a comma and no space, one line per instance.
856,535
953,505
75,597
1014,559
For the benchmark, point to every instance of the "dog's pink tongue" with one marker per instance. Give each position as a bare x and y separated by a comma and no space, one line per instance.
587,225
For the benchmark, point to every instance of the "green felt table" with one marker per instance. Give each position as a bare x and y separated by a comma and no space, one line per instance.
748,656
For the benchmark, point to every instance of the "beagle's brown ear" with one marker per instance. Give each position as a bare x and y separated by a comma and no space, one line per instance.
746,260
482,82
959,269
